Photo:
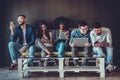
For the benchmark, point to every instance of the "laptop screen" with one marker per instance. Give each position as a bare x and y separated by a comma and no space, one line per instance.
61,35
80,42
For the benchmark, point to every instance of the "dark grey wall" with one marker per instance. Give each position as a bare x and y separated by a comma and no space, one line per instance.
106,11
2,34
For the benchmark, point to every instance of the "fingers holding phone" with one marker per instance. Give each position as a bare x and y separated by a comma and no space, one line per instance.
12,26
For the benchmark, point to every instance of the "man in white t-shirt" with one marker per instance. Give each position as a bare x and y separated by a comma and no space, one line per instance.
101,39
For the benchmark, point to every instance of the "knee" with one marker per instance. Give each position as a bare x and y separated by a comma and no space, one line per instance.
97,48
11,44
37,40
62,45
32,48
109,49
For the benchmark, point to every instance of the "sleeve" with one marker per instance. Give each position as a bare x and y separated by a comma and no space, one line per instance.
50,34
71,37
13,38
92,38
109,37
54,36
32,38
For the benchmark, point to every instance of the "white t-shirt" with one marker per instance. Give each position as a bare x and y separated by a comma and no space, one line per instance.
24,37
104,37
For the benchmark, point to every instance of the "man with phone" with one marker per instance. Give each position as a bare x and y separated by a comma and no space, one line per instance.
26,37
101,39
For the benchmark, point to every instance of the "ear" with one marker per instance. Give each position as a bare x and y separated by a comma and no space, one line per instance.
25,19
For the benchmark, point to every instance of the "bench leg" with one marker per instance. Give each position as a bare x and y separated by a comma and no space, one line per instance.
102,69
20,68
61,74
61,65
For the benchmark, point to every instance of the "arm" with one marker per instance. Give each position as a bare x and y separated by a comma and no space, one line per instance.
109,37
71,43
50,37
55,36
67,34
13,37
92,37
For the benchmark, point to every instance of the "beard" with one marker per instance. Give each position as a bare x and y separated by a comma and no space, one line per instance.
21,23
98,33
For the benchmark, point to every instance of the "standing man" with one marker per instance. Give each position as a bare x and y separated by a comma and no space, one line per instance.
81,32
25,34
101,39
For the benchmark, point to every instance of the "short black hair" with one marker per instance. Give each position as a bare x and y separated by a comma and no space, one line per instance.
96,25
82,23
22,16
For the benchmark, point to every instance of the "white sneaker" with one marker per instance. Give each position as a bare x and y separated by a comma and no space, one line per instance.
95,56
110,67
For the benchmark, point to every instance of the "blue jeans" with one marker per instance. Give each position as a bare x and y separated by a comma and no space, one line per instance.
14,51
60,48
86,52
108,55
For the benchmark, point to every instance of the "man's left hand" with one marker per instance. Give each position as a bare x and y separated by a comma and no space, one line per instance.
23,49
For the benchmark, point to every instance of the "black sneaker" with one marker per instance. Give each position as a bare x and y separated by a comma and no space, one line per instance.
12,66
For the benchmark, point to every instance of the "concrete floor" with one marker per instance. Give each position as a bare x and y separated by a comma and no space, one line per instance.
5,74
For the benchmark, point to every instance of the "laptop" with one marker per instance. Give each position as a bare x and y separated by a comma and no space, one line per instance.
62,37
80,42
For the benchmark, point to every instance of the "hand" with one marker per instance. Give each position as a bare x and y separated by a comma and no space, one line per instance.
98,44
23,49
72,45
88,44
42,40
12,27
47,40
66,34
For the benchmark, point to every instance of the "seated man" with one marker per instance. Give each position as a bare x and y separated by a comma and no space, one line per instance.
26,37
101,39
81,32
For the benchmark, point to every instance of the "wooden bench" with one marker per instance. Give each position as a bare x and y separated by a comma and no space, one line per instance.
60,68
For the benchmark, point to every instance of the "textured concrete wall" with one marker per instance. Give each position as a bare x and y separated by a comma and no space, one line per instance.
106,11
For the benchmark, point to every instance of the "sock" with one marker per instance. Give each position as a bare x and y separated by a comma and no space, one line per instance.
14,61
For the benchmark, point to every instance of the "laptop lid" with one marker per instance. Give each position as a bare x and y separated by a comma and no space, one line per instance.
80,42
62,36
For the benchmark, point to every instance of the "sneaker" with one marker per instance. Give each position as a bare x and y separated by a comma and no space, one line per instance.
48,55
110,67
12,66
30,64
95,55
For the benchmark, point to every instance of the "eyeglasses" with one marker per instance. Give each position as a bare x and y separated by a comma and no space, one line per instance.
84,29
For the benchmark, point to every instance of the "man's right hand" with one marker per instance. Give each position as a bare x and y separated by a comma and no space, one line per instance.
23,49
72,45
12,27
